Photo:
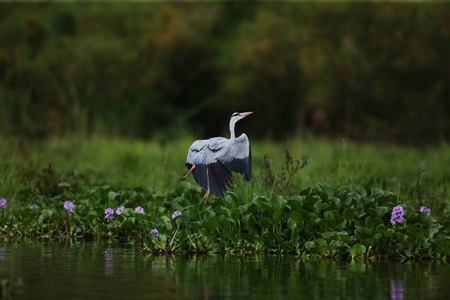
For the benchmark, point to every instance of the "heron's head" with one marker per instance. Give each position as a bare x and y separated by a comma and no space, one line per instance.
238,116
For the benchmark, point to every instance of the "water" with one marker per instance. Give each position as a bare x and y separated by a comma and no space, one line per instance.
67,269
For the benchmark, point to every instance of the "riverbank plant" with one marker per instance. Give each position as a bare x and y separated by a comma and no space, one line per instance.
373,204
318,221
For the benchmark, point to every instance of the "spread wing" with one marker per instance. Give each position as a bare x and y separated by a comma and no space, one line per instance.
202,153
205,151
219,156
237,156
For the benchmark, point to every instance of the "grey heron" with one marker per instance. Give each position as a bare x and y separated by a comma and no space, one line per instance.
211,161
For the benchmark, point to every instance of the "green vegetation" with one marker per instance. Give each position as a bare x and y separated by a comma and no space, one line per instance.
283,209
368,71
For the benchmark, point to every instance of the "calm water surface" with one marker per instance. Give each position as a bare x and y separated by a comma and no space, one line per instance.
67,269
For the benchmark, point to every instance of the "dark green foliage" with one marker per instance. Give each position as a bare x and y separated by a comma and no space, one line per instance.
47,182
322,221
362,70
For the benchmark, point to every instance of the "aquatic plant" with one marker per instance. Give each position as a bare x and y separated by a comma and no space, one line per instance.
68,205
109,213
176,214
425,209
397,215
35,206
155,232
119,210
318,221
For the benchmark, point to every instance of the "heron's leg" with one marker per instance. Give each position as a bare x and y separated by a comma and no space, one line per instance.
207,180
184,177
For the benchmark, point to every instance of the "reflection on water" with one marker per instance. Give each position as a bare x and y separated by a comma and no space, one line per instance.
68,269
109,261
396,289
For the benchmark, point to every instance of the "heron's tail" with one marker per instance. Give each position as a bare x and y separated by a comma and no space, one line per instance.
220,178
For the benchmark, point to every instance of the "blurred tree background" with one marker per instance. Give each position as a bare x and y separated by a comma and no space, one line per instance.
367,71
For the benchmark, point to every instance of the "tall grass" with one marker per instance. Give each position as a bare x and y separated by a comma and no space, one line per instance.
128,163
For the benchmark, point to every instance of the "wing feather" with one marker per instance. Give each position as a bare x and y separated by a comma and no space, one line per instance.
220,178
221,155
205,151
237,156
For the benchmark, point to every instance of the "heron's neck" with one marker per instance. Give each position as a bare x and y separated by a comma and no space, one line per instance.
232,123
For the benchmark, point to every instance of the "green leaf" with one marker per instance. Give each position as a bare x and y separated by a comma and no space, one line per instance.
381,211
309,246
234,196
409,211
258,200
362,191
348,214
236,214
179,221
278,214
276,202
327,190
296,217
305,192
246,220
64,185
295,203
291,224
210,214
342,236
327,224
335,201
112,195
212,224
328,215
264,222
227,210
357,250
47,213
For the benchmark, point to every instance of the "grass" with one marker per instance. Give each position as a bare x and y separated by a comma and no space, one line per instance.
136,163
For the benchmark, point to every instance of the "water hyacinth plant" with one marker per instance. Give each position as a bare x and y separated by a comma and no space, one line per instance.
425,209
155,232
120,209
2,203
176,214
320,221
397,215
109,213
68,205
35,206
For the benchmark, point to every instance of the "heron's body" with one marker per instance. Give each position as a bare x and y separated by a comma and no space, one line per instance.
211,161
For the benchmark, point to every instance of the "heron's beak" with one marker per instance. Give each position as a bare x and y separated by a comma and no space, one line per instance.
246,114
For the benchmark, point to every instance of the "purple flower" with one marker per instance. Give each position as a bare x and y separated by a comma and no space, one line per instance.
425,209
397,215
109,213
176,214
139,210
155,231
2,203
119,210
35,206
69,206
